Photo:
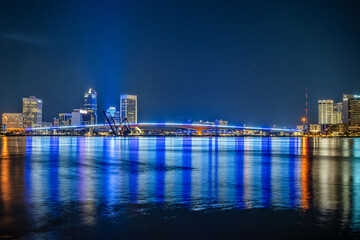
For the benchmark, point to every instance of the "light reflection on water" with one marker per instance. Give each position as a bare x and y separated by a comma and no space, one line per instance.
40,176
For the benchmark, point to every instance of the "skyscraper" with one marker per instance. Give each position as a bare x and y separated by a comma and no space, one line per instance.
32,112
338,109
128,108
326,111
351,111
90,102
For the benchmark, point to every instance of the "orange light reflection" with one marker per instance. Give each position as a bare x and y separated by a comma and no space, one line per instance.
305,174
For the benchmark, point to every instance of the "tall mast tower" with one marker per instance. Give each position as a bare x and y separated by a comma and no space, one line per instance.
306,108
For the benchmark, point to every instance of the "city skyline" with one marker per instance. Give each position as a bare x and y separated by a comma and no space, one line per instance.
180,119
241,61
328,111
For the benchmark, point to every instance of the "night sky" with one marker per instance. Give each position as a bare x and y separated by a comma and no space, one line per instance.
243,61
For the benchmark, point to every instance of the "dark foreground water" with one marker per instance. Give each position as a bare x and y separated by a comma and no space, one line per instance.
179,188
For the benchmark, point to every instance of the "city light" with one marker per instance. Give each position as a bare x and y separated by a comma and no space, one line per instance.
171,125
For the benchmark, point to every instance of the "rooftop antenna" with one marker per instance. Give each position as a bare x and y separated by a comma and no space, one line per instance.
306,109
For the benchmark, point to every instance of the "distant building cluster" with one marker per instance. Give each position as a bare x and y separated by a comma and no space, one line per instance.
337,118
32,111
216,122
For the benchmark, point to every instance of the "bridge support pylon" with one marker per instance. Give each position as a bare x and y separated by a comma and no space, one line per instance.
198,132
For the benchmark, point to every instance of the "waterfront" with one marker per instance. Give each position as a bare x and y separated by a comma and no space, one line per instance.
174,187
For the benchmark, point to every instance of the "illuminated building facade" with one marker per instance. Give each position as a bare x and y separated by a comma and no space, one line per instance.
64,119
314,128
90,102
326,111
128,108
338,113
114,112
56,122
351,111
46,124
82,117
32,112
221,122
12,120
216,122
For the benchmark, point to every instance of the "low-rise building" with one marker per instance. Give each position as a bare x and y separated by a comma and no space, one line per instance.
313,128
56,122
2,128
114,112
46,124
82,117
12,120
300,127
221,122
336,129
64,119
204,122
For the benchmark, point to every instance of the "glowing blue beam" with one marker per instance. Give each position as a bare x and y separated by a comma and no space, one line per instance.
174,125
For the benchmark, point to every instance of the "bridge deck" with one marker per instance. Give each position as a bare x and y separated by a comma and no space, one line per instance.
198,127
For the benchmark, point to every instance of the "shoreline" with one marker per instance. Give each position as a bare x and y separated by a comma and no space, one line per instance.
194,136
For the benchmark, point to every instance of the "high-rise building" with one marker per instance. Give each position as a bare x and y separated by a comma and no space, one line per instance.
64,119
326,111
351,111
32,112
90,102
114,113
82,117
128,108
338,109
12,120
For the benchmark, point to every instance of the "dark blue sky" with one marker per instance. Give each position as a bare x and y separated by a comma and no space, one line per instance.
243,61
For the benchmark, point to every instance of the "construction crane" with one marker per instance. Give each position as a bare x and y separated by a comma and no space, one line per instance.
121,129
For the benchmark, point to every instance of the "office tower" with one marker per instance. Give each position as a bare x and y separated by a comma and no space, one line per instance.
12,120
90,102
326,111
351,111
82,117
64,119
128,108
32,112
338,109
114,113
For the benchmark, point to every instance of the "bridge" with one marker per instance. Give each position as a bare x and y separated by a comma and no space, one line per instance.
197,127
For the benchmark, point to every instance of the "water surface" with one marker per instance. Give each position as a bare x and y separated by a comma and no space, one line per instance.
78,187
